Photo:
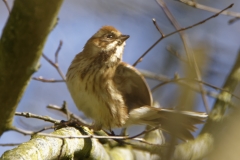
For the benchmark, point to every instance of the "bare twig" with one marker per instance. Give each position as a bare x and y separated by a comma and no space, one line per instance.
63,109
233,20
49,61
31,115
55,64
48,119
47,80
146,52
210,9
158,28
55,107
182,29
195,80
25,132
6,4
9,144
165,80
57,51
190,56
178,80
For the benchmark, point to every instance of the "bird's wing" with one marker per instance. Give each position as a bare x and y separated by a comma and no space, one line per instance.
133,86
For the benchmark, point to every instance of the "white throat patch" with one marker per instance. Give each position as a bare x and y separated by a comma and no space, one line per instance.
111,46
119,51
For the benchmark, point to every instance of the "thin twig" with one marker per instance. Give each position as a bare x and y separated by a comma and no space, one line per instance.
210,9
25,132
49,60
6,4
190,56
158,28
182,29
9,144
146,52
31,115
48,119
178,80
41,79
176,25
231,21
165,80
55,107
55,65
57,51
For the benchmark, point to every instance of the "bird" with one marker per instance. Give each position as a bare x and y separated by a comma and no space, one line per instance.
115,94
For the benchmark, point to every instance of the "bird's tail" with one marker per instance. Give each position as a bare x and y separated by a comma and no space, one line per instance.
177,123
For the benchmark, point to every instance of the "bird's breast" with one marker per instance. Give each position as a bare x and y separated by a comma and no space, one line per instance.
97,97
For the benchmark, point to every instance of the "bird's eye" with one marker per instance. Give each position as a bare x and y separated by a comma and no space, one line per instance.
109,36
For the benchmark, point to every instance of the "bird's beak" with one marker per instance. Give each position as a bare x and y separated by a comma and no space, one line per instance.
124,37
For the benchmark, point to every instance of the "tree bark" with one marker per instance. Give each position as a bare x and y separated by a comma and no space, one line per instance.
21,45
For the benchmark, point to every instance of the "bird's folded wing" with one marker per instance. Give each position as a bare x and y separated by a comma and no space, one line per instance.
133,86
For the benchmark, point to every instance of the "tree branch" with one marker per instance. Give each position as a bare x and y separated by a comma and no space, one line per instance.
21,45
212,128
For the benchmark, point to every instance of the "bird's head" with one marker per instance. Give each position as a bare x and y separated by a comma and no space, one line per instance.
107,39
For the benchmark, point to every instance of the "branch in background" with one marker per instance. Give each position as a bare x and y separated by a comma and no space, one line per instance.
211,9
189,53
220,107
186,83
182,29
211,128
231,21
7,6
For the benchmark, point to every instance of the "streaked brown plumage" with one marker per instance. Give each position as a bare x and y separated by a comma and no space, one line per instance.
114,94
